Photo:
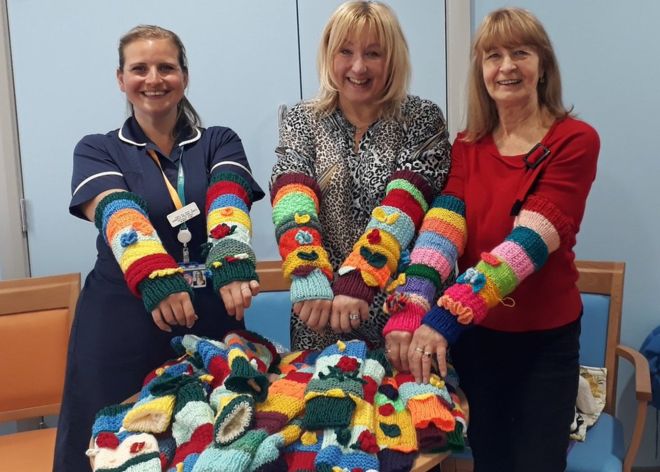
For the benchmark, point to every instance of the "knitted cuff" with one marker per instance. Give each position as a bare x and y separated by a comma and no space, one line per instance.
408,320
313,286
337,378
352,284
158,289
231,271
445,323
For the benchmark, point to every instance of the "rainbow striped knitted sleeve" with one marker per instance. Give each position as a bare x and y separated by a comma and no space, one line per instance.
230,256
440,243
539,230
149,271
393,224
296,203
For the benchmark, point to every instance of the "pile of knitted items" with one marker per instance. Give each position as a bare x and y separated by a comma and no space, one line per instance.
338,409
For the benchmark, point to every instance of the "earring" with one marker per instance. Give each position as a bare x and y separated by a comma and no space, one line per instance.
542,79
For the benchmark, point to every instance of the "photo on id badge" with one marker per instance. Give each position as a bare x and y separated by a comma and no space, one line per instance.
195,275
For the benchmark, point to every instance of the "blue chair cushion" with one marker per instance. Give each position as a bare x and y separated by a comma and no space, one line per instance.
269,316
593,340
603,449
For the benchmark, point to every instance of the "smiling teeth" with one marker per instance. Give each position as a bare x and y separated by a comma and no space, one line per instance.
508,82
154,94
357,82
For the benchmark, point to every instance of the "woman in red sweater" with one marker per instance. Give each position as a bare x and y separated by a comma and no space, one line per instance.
516,194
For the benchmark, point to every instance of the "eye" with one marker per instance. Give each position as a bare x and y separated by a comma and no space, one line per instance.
492,55
166,68
138,69
520,53
373,54
345,52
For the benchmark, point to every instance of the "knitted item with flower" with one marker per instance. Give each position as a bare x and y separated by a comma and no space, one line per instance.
540,229
296,202
356,446
440,243
395,433
230,256
393,224
337,382
192,428
150,272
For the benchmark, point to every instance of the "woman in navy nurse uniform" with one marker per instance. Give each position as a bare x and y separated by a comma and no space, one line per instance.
130,182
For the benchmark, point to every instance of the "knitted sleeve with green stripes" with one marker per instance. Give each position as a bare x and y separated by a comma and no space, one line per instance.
540,229
440,243
296,202
230,255
150,272
375,256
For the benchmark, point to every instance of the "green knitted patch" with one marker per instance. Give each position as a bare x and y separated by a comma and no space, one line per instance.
502,276
156,290
292,203
390,430
421,270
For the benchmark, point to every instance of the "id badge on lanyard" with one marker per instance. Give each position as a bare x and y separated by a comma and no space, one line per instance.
193,272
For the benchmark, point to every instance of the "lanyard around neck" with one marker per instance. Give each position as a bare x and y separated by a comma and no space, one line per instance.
178,195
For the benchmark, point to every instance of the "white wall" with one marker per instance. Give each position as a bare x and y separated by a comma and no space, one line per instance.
608,53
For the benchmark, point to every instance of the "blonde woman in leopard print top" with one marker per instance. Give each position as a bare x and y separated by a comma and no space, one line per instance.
357,168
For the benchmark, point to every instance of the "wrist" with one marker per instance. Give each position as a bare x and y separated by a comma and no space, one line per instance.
156,290
313,286
445,323
351,284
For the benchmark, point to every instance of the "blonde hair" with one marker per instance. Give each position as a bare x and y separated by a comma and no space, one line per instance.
365,16
184,108
510,27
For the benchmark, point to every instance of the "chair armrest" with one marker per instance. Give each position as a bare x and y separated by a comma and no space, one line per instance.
643,394
642,373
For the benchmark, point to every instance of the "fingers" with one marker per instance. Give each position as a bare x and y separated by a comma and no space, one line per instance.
441,356
188,310
228,300
255,287
160,321
415,362
393,350
314,313
426,365
246,294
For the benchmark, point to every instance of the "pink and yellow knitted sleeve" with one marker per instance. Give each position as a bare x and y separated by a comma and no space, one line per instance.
539,230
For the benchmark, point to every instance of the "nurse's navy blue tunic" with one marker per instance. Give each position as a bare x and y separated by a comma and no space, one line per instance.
114,342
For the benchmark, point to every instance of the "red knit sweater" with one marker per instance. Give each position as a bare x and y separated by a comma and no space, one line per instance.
488,182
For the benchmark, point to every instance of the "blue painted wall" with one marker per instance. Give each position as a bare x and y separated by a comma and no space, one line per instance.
608,54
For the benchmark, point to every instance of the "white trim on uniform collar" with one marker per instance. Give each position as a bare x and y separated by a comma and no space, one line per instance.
193,139
183,143
232,163
126,140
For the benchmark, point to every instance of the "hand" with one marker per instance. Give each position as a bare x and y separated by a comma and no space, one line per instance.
427,342
237,296
314,313
176,309
396,347
344,311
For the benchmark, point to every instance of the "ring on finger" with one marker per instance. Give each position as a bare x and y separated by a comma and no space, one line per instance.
420,350
354,316
427,354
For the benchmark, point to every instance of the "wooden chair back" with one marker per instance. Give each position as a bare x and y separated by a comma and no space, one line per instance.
35,321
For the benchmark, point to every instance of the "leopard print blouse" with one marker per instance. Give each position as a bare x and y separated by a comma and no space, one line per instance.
353,182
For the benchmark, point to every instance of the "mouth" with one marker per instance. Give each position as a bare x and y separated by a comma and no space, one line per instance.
509,82
358,82
154,93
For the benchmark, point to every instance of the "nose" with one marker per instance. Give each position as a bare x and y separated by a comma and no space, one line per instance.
507,64
153,75
358,66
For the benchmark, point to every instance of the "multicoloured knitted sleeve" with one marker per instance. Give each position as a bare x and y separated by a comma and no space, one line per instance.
540,228
393,224
440,243
296,202
230,256
149,271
